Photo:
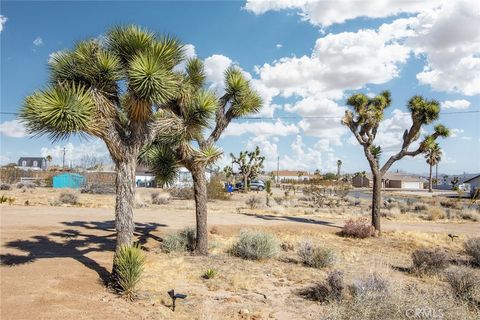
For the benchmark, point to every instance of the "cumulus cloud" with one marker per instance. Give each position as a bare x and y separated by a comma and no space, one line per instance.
328,12
456,104
75,152
189,52
278,128
390,131
3,20
215,67
13,129
38,41
279,45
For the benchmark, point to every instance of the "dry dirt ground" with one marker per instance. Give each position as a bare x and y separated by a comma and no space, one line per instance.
54,260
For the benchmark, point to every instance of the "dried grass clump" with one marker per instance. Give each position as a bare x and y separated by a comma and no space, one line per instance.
358,228
330,290
420,207
98,189
470,214
464,283
253,202
369,285
255,245
26,184
181,193
160,199
183,240
429,261
5,186
315,256
68,198
451,204
435,213
472,248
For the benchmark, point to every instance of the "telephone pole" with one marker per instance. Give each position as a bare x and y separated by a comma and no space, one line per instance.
63,162
278,166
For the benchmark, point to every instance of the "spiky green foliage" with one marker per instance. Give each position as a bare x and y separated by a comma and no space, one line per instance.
130,262
433,154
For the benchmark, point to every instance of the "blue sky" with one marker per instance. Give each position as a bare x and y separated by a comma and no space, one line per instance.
304,58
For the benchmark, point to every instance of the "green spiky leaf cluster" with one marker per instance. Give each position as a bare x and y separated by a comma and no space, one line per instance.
129,262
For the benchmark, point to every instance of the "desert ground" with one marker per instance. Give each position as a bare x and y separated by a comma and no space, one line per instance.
56,258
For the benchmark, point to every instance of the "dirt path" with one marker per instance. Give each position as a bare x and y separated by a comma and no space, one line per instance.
53,257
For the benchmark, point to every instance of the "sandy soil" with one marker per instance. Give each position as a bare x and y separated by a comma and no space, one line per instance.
54,260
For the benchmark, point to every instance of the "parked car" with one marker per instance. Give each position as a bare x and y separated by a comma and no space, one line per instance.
258,185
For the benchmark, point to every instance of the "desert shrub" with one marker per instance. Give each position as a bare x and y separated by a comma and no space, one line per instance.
255,245
472,248
209,273
4,199
216,189
358,228
420,207
98,189
332,289
463,282
181,193
279,200
253,202
391,212
5,186
315,256
435,213
157,198
451,204
429,260
183,240
470,214
371,284
68,198
129,261
26,184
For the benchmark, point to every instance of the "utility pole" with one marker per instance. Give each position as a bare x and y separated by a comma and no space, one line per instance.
63,162
278,166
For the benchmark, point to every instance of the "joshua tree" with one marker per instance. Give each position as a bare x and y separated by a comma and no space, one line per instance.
249,164
49,160
339,167
364,121
454,181
196,108
433,154
116,90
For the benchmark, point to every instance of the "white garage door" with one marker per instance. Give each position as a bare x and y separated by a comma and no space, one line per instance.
411,185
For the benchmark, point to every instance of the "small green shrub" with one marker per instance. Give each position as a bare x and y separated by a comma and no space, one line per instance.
209,273
129,262
315,256
183,240
463,282
256,245
216,189
428,261
68,198
253,202
5,186
358,228
472,248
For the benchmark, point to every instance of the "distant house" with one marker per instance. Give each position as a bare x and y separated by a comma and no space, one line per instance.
474,184
291,175
390,180
144,177
32,163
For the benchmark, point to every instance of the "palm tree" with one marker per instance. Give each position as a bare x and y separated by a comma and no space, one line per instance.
364,120
197,108
433,154
49,159
117,90
339,167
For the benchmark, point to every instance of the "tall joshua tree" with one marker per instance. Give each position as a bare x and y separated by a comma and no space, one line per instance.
115,90
339,167
197,108
433,154
364,121
249,164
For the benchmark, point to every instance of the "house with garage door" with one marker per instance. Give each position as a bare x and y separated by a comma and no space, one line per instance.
390,180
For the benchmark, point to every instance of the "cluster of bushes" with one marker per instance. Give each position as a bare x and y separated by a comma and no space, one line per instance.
98,189
5,186
66,198
159,199
181,193
4,199
253,202
26,185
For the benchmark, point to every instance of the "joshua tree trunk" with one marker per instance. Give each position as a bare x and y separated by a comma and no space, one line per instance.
376,200
430,182
245,183
200,194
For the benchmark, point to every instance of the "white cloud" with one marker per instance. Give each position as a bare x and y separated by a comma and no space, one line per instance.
328,12
347,60
456,104
390,132
52,55
302,157
13,129
3,20
38,41
279,45
278,128
75,152
215,67
454,132
189,52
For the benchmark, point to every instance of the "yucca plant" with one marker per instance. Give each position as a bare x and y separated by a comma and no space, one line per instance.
209,273
199,110
119,90
364,120
130,261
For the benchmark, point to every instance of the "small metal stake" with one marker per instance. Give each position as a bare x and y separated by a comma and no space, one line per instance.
174,297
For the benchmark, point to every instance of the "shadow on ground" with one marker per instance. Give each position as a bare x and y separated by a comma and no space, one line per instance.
76,242
292,218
